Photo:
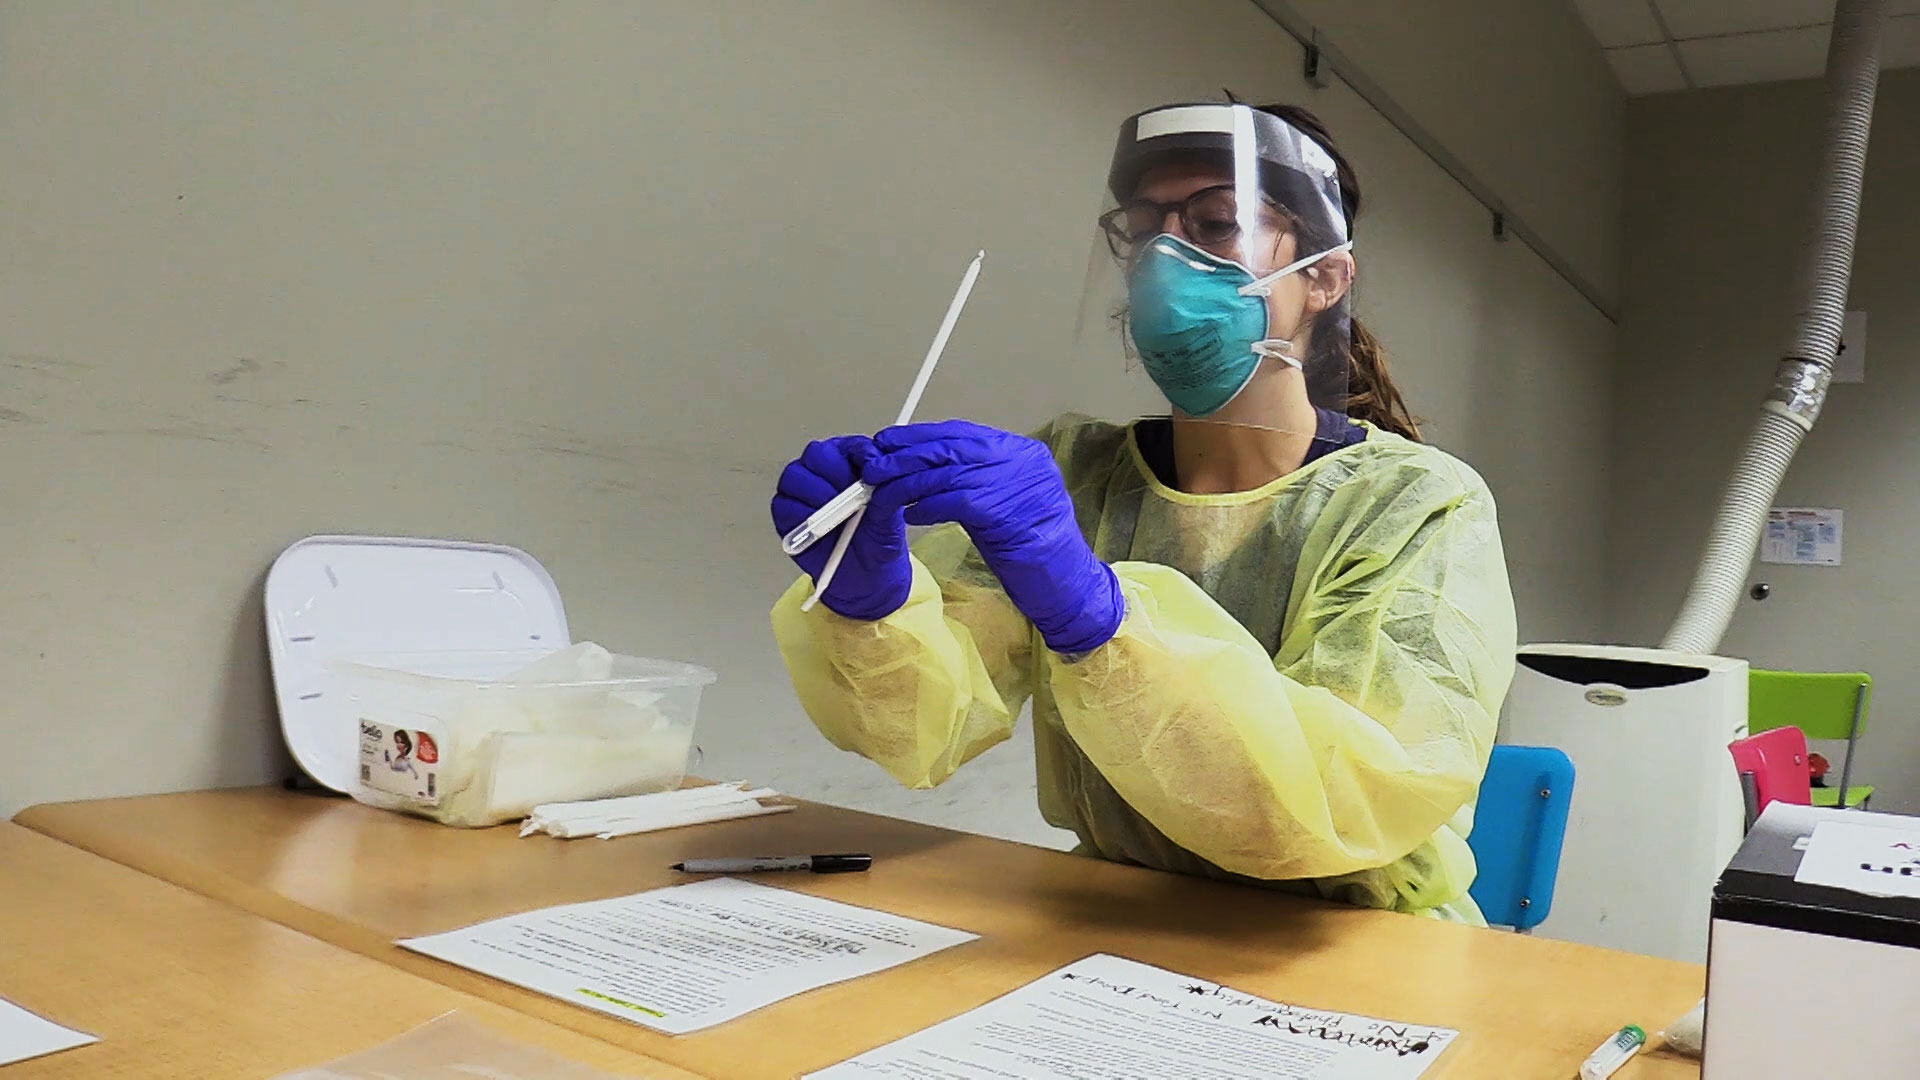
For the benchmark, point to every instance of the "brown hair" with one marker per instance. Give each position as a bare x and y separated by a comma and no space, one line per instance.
1369,391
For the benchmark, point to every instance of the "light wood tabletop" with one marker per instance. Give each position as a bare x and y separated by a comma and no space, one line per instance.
360,878
180,986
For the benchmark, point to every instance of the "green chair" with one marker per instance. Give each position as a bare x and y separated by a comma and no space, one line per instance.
1824,706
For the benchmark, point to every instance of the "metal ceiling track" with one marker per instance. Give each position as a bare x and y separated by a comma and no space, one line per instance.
1323,61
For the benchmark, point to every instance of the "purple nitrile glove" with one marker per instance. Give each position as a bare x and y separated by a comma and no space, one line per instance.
876,575
1006,491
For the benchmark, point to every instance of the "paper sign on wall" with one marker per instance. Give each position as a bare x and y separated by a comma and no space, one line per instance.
1802,536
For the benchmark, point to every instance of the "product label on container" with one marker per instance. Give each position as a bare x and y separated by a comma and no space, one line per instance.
400,761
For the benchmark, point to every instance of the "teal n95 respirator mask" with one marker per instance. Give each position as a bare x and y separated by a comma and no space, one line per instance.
1200,322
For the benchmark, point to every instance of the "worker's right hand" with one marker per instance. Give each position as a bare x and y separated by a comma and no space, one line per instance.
876,575
1006,491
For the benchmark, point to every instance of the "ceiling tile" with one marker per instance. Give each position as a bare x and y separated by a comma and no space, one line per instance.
1621,22
1753,58
1646,69
1708,18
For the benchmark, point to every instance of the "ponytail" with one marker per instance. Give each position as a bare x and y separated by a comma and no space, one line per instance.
1371,395
1367,388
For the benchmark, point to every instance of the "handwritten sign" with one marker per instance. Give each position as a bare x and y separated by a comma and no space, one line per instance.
1106,1018
1871,859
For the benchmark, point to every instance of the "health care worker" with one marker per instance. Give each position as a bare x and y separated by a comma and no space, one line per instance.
1266,638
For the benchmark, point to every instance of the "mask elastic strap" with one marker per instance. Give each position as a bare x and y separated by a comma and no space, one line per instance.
1280,349
1259,286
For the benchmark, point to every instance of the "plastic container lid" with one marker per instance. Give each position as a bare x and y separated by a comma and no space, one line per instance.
333,598
468,669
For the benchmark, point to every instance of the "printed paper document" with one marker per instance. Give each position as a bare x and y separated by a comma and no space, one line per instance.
24,1035
1871,859
691,956
1105,1018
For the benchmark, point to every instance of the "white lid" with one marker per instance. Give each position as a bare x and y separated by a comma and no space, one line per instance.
331,597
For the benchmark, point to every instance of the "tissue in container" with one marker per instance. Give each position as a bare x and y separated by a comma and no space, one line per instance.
476,739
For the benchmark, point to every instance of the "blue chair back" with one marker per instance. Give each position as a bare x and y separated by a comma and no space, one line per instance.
1518,826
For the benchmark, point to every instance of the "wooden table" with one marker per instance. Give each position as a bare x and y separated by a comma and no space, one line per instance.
179,986
360,878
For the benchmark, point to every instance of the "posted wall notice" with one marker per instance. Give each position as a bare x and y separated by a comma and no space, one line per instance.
1802,536
1105,1018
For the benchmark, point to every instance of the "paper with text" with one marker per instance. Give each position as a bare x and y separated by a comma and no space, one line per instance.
1870,859
1106,1018
24,1035
1803,536
691,956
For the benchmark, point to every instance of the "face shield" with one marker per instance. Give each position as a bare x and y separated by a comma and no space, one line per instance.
1220,263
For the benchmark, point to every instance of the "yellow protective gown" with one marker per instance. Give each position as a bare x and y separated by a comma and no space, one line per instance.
1303,694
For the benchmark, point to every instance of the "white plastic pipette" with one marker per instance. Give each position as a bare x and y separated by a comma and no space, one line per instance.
851,504
848,502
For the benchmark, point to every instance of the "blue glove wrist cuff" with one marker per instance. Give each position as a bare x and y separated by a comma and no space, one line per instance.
1097,621
871,606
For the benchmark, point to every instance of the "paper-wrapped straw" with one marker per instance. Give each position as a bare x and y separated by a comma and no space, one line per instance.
624,816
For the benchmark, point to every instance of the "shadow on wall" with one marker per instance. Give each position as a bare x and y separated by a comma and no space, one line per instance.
246,730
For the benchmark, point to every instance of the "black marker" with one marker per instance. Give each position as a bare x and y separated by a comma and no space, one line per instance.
819,864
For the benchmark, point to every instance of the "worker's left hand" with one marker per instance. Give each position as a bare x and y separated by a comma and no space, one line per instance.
1006,491
877,575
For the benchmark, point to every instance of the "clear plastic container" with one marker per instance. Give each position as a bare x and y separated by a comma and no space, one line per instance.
479,738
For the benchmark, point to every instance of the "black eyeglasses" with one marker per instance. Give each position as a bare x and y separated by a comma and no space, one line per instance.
1209,218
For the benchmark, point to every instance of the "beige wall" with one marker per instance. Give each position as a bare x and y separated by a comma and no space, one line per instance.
581,276
1517,91
1718,184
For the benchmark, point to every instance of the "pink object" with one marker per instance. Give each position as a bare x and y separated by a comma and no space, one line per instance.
1773,767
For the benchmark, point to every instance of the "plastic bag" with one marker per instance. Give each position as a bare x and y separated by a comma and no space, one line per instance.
1688,1035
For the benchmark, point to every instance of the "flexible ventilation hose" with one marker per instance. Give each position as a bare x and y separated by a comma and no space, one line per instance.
1820,298
1800,383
